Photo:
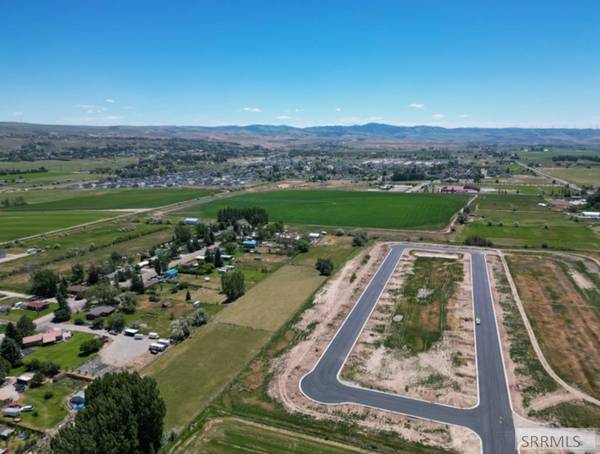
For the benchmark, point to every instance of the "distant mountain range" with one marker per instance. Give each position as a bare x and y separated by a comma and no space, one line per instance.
282,134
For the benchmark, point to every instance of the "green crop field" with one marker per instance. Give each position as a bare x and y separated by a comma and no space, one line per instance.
19,224
346,208
119,199
517,220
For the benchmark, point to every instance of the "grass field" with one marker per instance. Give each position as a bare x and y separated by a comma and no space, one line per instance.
194,372
72,165
119,199
234,435
19,224
338,249
47,413
345,208
65,354
268,305
517,220
15,315
422,303
578,175
564,314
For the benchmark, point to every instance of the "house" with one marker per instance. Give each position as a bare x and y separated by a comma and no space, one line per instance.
52,336
77,290
31,341
37,305
191,221
99,311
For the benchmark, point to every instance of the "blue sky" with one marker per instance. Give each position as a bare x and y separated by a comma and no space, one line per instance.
450,63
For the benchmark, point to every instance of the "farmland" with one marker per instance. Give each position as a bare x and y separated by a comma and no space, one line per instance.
346,208
118,199
578,175
21,224
517,220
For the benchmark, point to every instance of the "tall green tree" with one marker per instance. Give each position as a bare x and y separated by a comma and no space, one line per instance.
25,326
233,284
124,414
137,283
77,273
44,283
10,351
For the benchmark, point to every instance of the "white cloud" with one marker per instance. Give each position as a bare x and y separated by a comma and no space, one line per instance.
17,114
283,117
438,116
112,118
464,115
338,109
252,109
416,105
109,100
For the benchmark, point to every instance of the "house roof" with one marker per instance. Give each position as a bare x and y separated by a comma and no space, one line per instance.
32,339
101,310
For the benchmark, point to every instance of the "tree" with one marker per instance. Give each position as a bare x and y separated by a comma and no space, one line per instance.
90,346
180,328
182,234
3,372
63,312
188,296
124,413
324,266
93,274
359,238
137,283
10,351
102,293
116,322
233,284
199,317
128,302
25,326
12,332
77,273
37,380
217,260
301,246
43,283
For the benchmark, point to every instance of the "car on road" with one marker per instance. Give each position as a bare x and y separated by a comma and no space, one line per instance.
478,321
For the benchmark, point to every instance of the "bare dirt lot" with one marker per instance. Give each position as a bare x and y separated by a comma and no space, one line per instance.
445,372
320,322
563,316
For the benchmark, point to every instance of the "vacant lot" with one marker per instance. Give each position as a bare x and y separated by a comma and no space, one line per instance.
233,435
268,305
578,175
346,208
194,372
517,220
19,224
565,317
119,199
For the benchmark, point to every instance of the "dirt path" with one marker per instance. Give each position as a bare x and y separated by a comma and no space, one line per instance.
534,342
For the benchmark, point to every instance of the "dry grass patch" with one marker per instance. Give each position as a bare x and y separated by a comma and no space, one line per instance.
269,305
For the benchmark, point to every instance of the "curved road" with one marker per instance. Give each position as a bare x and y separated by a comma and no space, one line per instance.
491,419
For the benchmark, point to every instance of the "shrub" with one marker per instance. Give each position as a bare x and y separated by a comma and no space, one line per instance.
48,395
324,266
90,346
476,240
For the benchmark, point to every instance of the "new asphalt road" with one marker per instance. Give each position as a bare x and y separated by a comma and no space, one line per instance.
491,418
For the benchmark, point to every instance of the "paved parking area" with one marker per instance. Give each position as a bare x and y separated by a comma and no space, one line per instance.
125,351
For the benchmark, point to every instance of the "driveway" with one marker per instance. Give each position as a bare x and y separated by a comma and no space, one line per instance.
491,419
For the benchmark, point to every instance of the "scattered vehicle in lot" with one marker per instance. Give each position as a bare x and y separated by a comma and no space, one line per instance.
138,336
112,332
165,342
153,335
27,408
156,348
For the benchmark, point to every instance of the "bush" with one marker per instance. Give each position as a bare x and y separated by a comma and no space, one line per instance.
90,346
37,380
79,321
476,240
48,395
359,238
301,246
340,232
98,323
324,266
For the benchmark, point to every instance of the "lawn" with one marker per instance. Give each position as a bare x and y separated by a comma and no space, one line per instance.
269,305
424,314
119,199
192,373
234,435
47,413
19,224
578,175
338,249
345,208
16,314
65,353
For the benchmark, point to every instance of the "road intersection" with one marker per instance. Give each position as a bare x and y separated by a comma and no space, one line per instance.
491,419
